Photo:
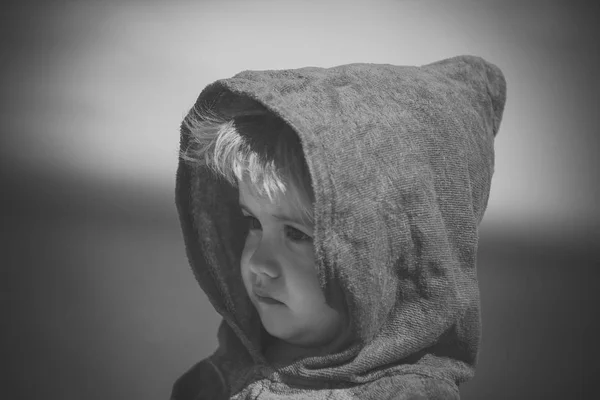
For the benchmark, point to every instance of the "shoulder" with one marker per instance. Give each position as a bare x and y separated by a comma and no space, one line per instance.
429,388
410,387
202,381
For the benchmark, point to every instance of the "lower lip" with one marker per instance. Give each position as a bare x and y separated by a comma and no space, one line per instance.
267,300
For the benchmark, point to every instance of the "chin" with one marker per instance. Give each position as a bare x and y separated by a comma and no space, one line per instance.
273,330
279,330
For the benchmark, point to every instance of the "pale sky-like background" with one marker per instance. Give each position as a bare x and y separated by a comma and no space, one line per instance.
97,298
98,89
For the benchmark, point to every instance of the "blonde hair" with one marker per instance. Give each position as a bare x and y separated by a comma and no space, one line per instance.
261,149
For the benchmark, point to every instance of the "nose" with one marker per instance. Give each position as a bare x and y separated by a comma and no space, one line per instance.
263,263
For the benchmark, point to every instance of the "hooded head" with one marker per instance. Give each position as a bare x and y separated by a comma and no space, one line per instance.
388,168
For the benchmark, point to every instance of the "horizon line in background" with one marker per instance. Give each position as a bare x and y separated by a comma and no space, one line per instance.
45,195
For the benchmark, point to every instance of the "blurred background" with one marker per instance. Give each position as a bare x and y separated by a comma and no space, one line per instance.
97,298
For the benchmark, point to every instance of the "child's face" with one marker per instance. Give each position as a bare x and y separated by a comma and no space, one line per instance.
278,258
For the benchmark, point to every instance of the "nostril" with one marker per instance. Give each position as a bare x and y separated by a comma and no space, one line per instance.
262,279
258,281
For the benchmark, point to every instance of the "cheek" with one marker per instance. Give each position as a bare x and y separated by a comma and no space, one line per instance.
308,296
305,275
305,285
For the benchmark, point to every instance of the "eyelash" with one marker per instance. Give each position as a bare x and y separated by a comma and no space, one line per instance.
303,237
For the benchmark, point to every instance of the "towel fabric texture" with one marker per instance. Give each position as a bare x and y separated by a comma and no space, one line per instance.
401,160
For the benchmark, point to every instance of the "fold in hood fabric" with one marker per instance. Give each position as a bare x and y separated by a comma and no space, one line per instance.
401,160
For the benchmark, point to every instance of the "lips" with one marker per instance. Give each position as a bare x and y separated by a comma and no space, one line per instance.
261,293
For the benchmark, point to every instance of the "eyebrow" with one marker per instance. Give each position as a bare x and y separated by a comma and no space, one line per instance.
280,217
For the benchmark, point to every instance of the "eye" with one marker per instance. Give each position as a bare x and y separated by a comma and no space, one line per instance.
297,235
252,222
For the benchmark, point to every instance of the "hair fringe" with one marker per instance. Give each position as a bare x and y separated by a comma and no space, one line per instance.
216,143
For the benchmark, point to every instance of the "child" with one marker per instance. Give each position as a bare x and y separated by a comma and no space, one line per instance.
331,217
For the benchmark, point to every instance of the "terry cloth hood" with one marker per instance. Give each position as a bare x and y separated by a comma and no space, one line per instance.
401,160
